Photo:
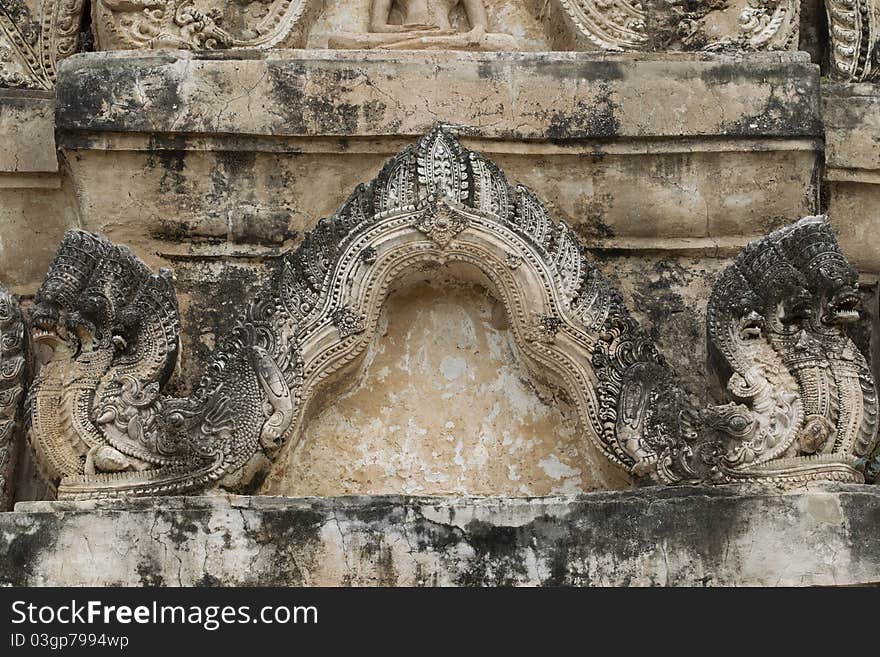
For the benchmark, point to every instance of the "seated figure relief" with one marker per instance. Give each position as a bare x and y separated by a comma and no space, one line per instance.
425,25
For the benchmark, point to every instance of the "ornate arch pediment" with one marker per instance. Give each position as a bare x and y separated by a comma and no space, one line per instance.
102,427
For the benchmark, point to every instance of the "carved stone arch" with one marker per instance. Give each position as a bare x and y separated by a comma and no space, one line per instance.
552,343
436,203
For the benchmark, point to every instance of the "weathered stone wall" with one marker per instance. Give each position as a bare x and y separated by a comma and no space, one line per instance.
37,199
214,164
679,537
852,167
442,406
227,161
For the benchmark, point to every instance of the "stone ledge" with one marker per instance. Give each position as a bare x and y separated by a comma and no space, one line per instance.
824,535
852,168
852,125
254,147
500,95
27,133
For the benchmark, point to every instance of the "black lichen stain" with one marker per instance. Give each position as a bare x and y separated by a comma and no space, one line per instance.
791,110
212,302
589,223
499,555
601,71
676,322
324,110
595,118
139,95
149,572
862,331
862,510
657,298
24,550
293,538
381,555
168,154
181,528
594,542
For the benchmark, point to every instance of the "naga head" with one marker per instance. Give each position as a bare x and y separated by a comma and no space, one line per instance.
58,297
49,328
800,284
749,322
811,246
841,303
779,290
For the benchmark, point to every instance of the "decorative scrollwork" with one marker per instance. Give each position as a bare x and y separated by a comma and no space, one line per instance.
805,405
624,25
13,377
139,24
32,43
854,34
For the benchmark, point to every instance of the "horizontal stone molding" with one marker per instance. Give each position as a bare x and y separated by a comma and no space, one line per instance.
500,95
821,536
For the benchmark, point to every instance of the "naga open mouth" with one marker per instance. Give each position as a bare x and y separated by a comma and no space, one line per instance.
47,329
846,309
750,326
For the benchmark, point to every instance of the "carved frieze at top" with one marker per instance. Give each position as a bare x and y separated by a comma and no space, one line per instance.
803,406
202,24
426,25
634,25
34,36
854,34
616,25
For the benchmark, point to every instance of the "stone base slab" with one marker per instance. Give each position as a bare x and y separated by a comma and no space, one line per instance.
821,536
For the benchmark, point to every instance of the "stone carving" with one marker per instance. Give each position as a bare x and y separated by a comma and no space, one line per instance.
425,25
34,37
13,376
195,24
854,34
805,404
441,221
102,427
626,25
348,322
546,328
110,329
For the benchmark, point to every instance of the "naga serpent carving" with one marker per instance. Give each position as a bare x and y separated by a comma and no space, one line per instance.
102,427
776,317
13,378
